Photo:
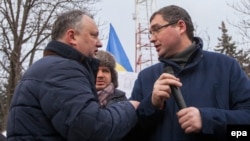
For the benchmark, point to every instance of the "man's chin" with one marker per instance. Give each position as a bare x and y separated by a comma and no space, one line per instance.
100,88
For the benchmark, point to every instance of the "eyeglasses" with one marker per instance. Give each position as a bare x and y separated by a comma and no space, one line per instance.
156,29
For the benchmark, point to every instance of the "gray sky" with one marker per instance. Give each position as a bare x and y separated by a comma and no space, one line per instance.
206,15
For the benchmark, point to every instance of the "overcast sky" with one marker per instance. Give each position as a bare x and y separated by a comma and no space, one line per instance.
206,15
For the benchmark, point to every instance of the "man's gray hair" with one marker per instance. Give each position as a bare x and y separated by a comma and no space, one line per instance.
71,19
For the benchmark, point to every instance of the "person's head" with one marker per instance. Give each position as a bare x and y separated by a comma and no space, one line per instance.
171,30
77,29
106,73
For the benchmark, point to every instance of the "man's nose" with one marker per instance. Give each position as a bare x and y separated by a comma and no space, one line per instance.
99,44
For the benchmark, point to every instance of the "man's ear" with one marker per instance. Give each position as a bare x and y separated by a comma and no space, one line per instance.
182,26
70,37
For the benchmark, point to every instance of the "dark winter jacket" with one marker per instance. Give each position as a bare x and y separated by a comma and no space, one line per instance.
116,97
212,82
2,137
56,100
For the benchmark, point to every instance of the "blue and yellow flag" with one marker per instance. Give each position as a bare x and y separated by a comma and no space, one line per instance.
114,46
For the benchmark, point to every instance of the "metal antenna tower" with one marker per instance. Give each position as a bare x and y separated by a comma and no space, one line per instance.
145,54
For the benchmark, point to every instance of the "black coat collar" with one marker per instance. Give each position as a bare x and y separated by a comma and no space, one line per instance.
69,52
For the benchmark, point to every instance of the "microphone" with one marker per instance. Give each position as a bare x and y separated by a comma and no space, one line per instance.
176,91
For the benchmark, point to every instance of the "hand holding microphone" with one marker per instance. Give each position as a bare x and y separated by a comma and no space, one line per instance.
176,91
165,85
189,118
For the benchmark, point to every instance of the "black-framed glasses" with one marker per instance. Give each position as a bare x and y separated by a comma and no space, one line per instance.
157,28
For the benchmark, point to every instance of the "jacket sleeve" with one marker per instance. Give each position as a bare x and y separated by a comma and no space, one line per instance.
148,115
68,100
234,103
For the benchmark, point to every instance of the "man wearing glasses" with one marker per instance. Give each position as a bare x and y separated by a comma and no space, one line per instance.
214,87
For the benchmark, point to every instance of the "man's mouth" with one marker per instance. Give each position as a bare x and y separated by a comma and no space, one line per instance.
157,48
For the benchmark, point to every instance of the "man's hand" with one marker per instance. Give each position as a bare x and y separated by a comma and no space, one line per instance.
134,103
161,91
190,120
